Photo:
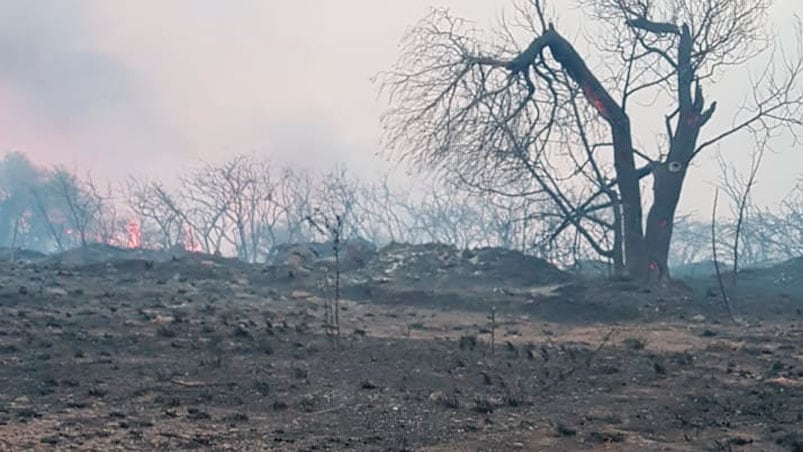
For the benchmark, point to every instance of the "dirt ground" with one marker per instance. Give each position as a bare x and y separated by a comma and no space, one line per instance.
208,354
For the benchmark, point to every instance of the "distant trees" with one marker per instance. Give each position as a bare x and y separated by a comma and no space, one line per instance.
18,178
766,235
782,231
773,234
78,202
158,215
243,206
51,209
246,207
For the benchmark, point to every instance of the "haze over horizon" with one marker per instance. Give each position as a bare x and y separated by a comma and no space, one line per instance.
129,86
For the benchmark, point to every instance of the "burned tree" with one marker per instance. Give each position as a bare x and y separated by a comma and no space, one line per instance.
155,207
494,114
71,208
738,189
18,179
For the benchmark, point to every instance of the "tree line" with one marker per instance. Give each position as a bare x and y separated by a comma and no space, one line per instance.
246,207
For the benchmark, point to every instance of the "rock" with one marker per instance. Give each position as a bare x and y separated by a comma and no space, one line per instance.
56,291
419,267
300,295
354,253
295,254
163,320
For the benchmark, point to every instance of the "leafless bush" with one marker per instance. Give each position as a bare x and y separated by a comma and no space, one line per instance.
332,227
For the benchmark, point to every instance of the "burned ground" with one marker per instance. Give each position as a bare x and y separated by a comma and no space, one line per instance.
204,353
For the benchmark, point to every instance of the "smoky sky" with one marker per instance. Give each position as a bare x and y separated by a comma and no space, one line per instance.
66,101
150,86
47,60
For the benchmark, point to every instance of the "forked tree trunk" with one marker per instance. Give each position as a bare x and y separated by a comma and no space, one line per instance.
645,255
668,176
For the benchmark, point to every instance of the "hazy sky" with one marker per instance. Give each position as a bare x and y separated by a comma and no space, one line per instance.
121,86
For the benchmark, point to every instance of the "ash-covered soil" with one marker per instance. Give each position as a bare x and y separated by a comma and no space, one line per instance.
203,353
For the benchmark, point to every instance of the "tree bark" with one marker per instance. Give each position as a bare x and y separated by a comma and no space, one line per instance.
618,256
636,259
666,189
668,176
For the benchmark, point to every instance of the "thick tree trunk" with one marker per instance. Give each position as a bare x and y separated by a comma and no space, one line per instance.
668,176
668,180
666,189
636,261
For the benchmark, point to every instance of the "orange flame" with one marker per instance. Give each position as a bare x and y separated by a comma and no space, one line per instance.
595,100
190,244
134,229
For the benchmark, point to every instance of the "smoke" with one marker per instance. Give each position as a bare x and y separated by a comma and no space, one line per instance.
120,87
65,100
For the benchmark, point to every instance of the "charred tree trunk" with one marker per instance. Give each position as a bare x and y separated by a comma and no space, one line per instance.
635,250
667,184
668,176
